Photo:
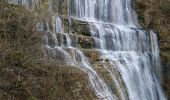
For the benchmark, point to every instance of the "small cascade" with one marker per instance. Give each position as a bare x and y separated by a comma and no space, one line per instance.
75,57
100,87
26,3
58,24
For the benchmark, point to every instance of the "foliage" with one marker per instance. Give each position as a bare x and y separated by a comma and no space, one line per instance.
24,73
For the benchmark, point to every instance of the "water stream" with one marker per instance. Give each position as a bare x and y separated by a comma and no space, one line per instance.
134,52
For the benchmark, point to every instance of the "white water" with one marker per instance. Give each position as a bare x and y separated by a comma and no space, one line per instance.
111,11
132,52
75,57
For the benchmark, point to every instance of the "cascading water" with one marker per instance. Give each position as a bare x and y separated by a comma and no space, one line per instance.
130,51
109,11
75,57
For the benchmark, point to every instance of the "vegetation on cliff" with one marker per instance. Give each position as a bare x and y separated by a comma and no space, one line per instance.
24,73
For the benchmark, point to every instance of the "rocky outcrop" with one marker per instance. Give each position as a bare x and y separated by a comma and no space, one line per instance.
155,15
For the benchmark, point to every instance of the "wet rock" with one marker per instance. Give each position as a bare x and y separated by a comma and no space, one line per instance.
86,42
80,27
92,54
155,15
116,86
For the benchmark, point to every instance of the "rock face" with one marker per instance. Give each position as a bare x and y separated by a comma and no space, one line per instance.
155,15
79,33
68,38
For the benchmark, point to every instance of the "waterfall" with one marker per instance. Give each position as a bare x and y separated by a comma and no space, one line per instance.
133,51
128,53
112,11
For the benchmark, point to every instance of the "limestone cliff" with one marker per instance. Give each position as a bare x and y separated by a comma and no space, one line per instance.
155,15
50,77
